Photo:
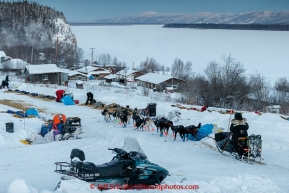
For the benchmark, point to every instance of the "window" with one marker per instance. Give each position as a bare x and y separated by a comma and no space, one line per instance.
79,78
45,77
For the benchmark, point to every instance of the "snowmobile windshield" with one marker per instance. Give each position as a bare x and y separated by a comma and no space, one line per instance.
132,147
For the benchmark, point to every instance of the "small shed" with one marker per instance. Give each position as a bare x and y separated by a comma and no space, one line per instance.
99,74
273,109
110,78
79,84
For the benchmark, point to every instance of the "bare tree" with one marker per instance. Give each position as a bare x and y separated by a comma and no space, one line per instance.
188,71
168,69
149,65
259,91
178,68
104,59
226,82
281,94
86,62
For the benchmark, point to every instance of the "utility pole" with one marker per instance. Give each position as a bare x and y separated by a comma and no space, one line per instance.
91,55
56,50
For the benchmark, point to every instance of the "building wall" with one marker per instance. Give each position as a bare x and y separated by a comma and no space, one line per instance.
75,77
137,74
162,86
53,78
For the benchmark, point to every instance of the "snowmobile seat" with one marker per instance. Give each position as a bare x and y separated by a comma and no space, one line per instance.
76,164
113,168
77,153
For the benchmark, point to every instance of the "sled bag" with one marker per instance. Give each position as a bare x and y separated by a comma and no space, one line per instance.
222,135
225,143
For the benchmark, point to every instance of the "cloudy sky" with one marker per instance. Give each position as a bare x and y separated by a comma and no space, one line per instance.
99,9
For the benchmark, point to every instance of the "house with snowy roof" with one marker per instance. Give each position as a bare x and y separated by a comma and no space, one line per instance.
3,57
159,82
129,74
45,73
110,67
13,65
74,74
87,69
99,74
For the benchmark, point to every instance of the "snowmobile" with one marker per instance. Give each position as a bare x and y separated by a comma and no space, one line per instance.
251,146
129,167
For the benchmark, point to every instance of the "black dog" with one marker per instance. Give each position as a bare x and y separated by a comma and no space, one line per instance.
191,129
178,129
123,120
165,125
158,120
139,122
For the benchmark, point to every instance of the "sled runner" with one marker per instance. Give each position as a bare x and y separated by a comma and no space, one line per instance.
251,146
129,166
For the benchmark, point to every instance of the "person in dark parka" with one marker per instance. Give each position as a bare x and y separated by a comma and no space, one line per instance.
239,127
7,81
89,98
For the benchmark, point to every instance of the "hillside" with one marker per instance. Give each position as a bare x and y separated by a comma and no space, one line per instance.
29,28
203,17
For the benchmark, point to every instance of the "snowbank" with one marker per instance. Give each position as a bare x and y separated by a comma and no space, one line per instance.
239,184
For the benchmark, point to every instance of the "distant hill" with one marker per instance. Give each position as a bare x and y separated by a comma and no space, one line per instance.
203,17
28,29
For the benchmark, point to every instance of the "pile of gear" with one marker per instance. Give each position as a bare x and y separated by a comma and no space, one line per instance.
57,129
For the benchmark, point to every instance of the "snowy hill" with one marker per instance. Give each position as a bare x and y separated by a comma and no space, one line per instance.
30,168
202,17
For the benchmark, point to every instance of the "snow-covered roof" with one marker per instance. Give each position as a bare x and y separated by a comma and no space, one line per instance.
128,72
101,65
111,76
42,68
15,64
71,72
100,72
79,82
274,107
154,78
2,54
87,69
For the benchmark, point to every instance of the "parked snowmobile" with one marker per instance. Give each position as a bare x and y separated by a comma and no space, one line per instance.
251,146
129,166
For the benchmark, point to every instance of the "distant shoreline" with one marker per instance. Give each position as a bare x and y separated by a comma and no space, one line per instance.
109,24
268,27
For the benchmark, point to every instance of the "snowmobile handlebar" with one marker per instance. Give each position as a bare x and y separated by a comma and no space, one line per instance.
119,151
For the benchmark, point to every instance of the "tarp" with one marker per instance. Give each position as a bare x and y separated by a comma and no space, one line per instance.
32,111
19,113
204,131
67,100
91,77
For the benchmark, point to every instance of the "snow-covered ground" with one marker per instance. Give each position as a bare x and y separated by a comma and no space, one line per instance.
30,168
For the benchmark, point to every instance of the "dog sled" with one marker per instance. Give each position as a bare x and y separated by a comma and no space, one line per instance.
251,146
